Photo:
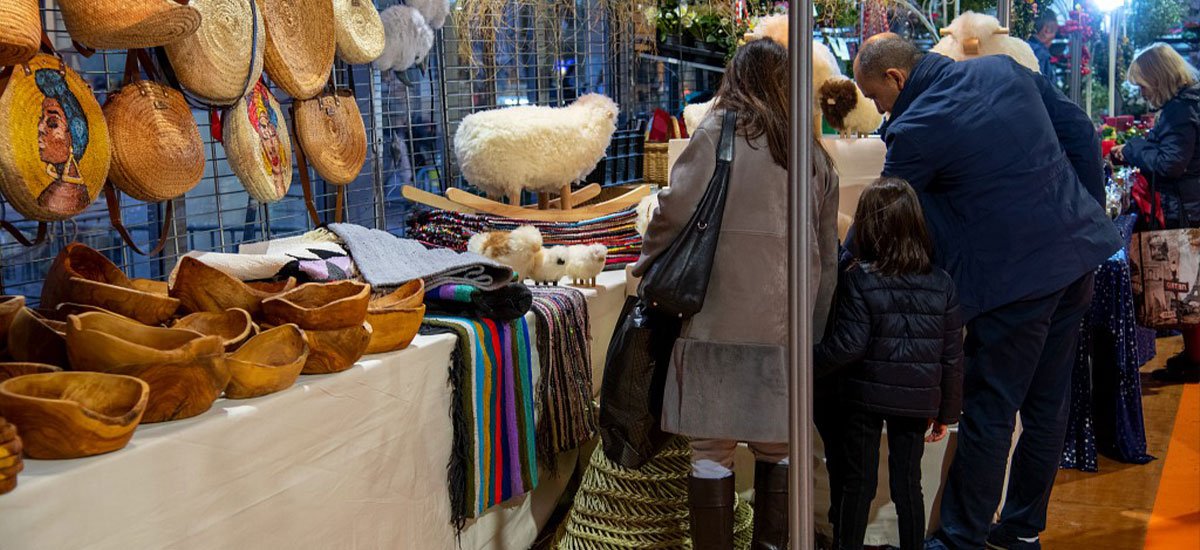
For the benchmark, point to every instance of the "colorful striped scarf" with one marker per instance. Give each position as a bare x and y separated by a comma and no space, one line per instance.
495,455
567,413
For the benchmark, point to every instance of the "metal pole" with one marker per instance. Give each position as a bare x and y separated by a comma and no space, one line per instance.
1075,77
1112,62
799,331
1004,12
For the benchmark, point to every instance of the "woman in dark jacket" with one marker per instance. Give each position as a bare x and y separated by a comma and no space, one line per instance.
895,341
1170,154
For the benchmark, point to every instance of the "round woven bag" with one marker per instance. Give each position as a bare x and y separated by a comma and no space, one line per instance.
359,31
54,146
157,153
300,44
125,24
330,129
258,146
223,60
20,31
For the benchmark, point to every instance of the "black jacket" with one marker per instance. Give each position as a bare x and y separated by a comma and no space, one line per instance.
896,344
1170,154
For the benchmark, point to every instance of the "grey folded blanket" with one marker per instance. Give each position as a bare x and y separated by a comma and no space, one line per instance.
385,260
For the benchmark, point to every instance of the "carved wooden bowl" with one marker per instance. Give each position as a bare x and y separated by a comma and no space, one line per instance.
33,338
267,363
396,317
67,309
9,306
10,456
84,276
320,306
73,414
233,326
13,370
336,350
185,370
200,287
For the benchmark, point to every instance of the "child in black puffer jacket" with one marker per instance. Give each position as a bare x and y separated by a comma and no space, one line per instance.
894,345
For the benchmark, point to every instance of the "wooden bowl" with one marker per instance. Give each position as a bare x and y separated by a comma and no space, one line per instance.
185,369
333,351
9,306
10,456
234,326
200,287
67,309
84,276
408,295
320,306
268,363
73,414
33,338
13,370
394,329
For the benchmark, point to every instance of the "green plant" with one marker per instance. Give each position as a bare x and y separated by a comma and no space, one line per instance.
1150,19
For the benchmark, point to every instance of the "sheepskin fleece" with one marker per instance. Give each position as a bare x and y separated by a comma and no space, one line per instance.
976,25
408,39
534,148
645,212
434,11
694,114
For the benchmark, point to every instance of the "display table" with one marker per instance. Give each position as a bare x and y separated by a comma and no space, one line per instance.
355,459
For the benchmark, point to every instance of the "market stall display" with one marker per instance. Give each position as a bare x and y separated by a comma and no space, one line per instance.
300,44
81,275
11,463
233,326
267,363
258,144
124,24
333,317
199,287
73,414
358,31
224,58
20,31
395,318
33,338
13,370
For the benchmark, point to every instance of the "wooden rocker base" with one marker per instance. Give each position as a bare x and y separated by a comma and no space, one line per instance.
458,200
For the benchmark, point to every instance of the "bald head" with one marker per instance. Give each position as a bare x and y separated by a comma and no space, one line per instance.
882,68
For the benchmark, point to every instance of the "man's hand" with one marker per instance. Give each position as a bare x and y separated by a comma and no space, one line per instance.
937,431
1118,153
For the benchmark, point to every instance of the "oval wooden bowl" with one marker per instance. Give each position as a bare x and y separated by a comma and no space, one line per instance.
333,351
268,363
217,63
358,30
407,295
330,129
185,370
200,287
67,309
300,44
33,338
124,24
394,329
73,414
20,31
259,145
320,306
157,151
13,370
9,306
84,276
233,326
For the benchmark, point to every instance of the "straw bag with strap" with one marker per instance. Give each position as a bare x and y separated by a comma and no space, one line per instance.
125,24
358,31
300,44
214,64
20,31
331,136
258,145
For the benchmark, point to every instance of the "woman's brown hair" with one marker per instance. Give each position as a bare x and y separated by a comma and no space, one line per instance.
756,86
890,232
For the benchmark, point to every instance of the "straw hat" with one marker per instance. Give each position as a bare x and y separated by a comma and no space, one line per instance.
359,31
330,129
55,155
124,24
258,146
300,44
20,31
223,60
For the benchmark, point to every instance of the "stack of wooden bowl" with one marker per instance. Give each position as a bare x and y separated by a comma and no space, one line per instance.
10,456
334,318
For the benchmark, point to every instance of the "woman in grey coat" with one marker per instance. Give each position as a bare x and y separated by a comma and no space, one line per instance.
727,382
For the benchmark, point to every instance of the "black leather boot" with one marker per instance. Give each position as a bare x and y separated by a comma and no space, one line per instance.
710,502
770,506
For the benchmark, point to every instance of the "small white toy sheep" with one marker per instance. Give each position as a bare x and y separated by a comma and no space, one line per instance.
549,265
516,249
585,262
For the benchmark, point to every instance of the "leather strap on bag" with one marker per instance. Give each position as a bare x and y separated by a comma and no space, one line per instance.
114,216
21,238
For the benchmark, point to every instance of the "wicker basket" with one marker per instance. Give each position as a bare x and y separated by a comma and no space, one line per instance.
300,44
125,24
20,31
330,129
654,160
223,60
359,31
258,145
55,154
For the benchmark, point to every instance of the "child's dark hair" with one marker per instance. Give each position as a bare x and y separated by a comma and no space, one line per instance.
890,231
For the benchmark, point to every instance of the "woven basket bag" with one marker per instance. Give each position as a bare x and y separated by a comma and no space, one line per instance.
125,24
54,145
223,60
258,145
20,31
330,129
300,44
359,31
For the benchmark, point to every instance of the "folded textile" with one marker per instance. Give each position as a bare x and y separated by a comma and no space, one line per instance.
308,258
495,456
503,304
567,415
385,260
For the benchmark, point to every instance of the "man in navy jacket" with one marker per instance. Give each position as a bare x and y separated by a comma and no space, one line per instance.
1010,178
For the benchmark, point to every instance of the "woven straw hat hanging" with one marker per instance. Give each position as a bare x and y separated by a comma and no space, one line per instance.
300,44
20,31
54,145
258,146
359,31
124,24
330,130
223,60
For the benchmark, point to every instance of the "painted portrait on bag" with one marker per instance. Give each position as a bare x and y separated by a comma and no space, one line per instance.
265,121
62,137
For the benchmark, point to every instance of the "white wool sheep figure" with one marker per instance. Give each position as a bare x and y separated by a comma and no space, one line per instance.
532,148
434,11
408,39
645,212
694,114
516,249
549,265
585,262
971,28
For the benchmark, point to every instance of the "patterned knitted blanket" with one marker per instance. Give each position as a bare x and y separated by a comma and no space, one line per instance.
385,261
567,416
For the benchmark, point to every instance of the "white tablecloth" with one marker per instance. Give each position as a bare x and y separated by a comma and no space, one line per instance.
350,460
